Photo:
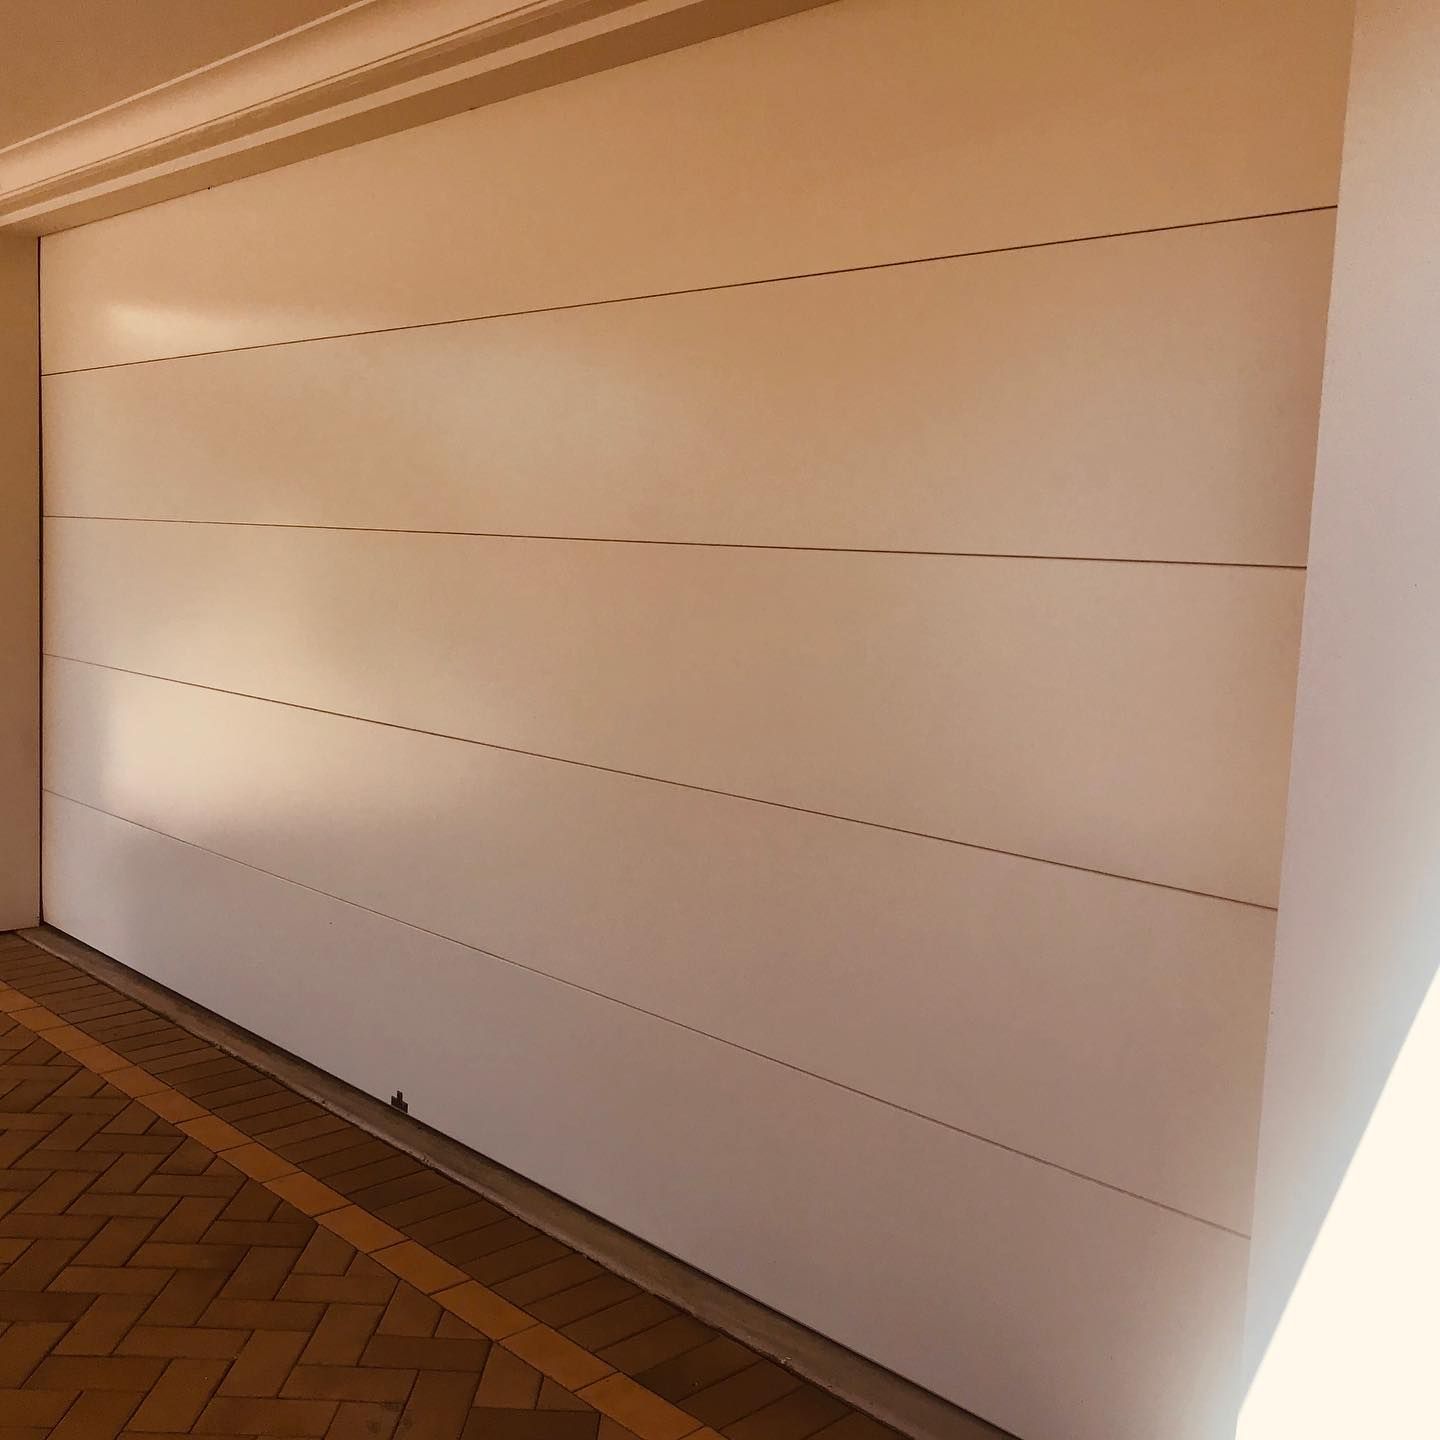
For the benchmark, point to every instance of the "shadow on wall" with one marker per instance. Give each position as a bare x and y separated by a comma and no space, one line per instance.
379,984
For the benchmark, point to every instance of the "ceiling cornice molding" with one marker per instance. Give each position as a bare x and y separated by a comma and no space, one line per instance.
369,70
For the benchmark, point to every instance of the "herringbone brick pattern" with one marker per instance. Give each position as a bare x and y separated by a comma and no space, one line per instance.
189,1248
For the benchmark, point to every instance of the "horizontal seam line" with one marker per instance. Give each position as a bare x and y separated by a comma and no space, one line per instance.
704,289
664,1019
691,544
660,780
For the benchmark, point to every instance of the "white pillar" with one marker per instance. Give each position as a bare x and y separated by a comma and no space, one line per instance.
1343,1325
19,582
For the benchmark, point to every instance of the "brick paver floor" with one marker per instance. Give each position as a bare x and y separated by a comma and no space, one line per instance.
189,1248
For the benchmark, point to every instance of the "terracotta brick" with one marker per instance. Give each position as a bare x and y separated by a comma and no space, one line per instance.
438,1406
630,1317
209,1075
307,1194
34,1407
182,1342
24,1346
553,1355
196,1256
855,1426
135,1081
360,1228
251,1203
549,1279
68,1039
340,1289
516,1260
496,1235
277,1117
363,1422
104,1325
532,1425
117,1241
421,1267
452,1327
435,1204
741,1394
263,1232
172,1105
341,1336
262,1315
276,1418
696,1369
97,1415
614,1430
392,1192
185,1297
213,1133
638,1409
258,1163
430,1352
189,1218
176,1401
508,1382
306,1152
348,1382
96,1372
261,1274
276,1135
176,1045
485,1310
79,1224
237,1093
589,1297
803,1411
111,1280
265,1363
409,1313
172,1281
37,1017
676,1336
325,1254
41,1262
557,1397
365,1177
336,1162
126,1174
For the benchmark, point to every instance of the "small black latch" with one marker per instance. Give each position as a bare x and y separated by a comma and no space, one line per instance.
398,1101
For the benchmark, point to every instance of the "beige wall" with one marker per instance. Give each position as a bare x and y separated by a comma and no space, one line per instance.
19,583
796,762
1347,1249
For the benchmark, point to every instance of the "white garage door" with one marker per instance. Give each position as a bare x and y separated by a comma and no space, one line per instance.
730,628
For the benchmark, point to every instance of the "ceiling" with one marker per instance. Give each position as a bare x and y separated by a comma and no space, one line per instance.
60,59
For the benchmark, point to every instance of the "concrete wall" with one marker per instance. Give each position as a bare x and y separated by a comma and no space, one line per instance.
1346,1258
724,753
19,582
